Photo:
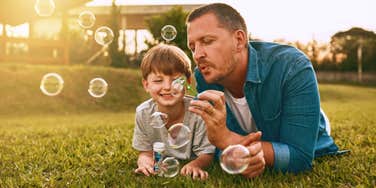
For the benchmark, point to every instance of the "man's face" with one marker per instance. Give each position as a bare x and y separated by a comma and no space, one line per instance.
212,47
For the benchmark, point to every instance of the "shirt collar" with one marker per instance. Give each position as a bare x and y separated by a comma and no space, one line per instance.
253,74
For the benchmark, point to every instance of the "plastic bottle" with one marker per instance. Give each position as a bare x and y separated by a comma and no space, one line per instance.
158,150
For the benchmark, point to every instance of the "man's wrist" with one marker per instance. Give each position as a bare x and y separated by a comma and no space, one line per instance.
224,138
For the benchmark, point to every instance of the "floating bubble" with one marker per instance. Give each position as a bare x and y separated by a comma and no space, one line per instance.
170,167
234,159
103,36
168,33
178,84
86,19
158,119
178,136
51,84
44,7
97,87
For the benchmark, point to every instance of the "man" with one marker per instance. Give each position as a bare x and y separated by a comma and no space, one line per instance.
259,94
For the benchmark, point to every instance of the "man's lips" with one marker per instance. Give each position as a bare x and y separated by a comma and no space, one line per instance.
203,68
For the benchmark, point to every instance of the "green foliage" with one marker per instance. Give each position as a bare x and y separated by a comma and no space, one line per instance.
347,42
175,17
118,57
72,140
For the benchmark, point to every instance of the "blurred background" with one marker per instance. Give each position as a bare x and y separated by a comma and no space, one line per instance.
338,36
72,138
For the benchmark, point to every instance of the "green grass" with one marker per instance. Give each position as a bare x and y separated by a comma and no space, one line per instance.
21,94
76,141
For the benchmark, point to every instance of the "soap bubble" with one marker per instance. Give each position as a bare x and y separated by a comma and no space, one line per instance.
97,87
178,84
44,7
170,167
103,36
178,136
86,19
168,33
51,84
158,119
234,159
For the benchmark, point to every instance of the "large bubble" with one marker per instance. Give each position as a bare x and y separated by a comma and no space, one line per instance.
168,33
44,7
51,84
178,136
104,36
234,159
170,167
98,87
86,19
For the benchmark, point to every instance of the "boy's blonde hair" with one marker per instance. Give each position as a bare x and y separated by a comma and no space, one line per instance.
166,59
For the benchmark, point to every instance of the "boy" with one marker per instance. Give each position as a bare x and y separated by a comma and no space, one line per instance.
160,66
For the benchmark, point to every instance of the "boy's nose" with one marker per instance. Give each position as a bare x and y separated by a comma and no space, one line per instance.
167,85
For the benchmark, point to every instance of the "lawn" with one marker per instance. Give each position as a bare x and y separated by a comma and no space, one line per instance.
89,143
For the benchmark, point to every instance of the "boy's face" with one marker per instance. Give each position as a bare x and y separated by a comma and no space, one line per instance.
158,85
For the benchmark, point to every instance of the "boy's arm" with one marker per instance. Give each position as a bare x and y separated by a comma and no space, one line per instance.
145,163
202,161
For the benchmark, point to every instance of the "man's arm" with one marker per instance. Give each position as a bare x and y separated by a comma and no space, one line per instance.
294,151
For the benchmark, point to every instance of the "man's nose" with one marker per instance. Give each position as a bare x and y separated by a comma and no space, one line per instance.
199,53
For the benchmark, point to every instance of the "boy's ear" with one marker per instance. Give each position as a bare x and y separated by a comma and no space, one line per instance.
189,80
145,84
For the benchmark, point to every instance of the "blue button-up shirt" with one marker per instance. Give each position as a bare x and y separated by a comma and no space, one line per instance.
282,94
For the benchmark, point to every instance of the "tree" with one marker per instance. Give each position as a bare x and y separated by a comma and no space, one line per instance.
118,57
175,17
359,46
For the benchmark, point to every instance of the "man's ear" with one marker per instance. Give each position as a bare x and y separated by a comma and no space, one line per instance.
241,39
145,84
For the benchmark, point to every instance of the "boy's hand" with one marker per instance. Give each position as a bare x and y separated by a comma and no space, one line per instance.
194,171
147,170
145,163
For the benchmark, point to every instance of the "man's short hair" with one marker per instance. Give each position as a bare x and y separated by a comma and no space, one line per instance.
227,16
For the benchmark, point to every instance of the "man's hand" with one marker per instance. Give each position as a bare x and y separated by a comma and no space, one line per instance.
211,107
257,163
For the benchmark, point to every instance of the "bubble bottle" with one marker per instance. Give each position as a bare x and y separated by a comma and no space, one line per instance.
158,150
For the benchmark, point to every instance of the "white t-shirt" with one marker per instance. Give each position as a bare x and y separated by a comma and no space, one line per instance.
241,111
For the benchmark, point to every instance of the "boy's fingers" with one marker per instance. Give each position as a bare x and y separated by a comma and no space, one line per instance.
203,175
195,174
183,171
142,171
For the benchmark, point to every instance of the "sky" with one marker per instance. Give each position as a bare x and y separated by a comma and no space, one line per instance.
292,20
